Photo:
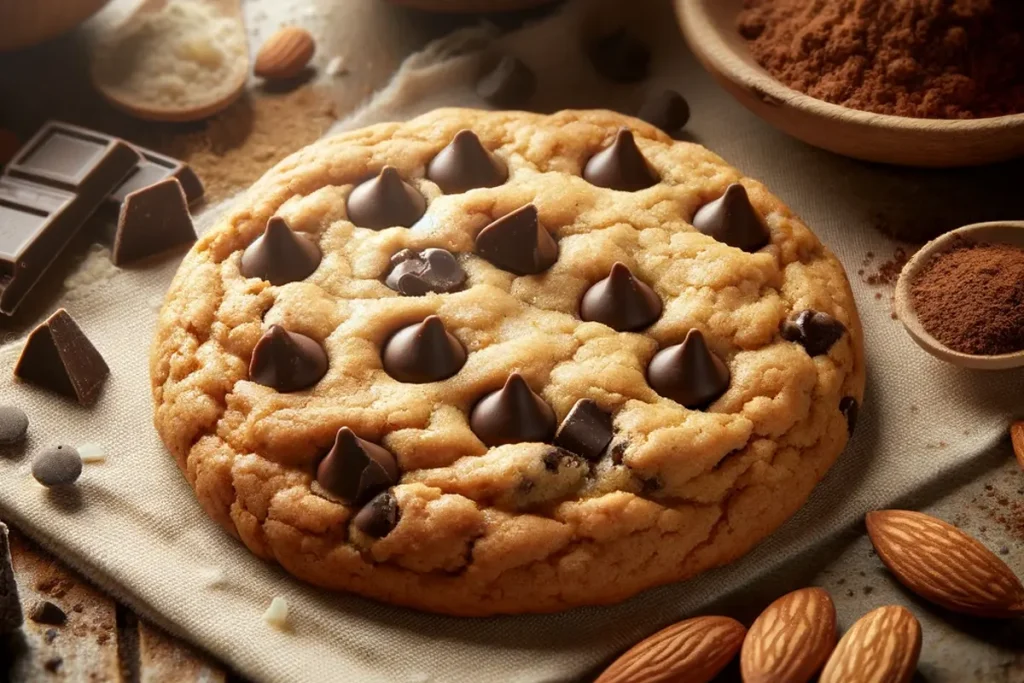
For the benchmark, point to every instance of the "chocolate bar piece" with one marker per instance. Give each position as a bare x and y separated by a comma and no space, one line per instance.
47,194
59,357
153,219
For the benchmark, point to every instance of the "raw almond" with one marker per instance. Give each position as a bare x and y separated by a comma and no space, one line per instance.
791,640
694,651
883,645
944,565
285,54
1017,437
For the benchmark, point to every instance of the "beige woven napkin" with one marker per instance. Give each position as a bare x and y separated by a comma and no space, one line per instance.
134,527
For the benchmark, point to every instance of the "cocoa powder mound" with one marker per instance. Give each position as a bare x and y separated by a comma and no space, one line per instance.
945,59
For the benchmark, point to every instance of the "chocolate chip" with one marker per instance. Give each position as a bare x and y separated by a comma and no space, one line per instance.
379,516
13,425
620,166
512,414
689,373
465,165
45,612
517,243
620,57
556,458
617,450
733,220
813,330
280,255
355,470
53,664
586,430
58,466
510,84
665,109
57,356
849,407
424,352
287,361
152,220
385,201
418,273
621,301
11,616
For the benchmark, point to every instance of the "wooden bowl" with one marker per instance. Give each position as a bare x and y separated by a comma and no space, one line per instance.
710,30
27,22
468,6
1000,232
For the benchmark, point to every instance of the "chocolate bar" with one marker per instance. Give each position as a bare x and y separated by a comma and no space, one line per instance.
47,194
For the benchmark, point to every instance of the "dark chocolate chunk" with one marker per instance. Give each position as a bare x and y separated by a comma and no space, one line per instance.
53,664
13,425
666,109
689,373
465,164
280,255
11,617
287,361
57,356
849,407
621,301
620,57
424,352
355,470
518,243
512,414
58,466
385,201
418,273
620,166
45,612
508,85
813,330
378,517
586,430
153,220
733,220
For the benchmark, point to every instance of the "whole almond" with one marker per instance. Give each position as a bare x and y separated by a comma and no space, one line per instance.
881,646
1017,438
694,651
791,640
944,565
285,54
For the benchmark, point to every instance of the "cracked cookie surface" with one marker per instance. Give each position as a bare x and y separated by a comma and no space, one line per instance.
472,529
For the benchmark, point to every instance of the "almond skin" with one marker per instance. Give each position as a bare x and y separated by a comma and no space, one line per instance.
1017,438
883,645
694,651
944,565
285,54
791,640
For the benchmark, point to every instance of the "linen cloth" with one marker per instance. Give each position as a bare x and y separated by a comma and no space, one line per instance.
133,525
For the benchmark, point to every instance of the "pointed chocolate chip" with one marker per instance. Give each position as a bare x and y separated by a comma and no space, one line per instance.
152,220
465,164
379,516
45,612
517,243
508,85
733,220
418,273
385,201
813,330
620,166
620,57
57,356
287,361
512,414
849,407
689,373
280,255
621,301
424,352
666,109
586,430
355,470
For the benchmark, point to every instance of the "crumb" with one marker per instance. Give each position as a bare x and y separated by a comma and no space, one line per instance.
849,593
212,576
868,590
841,581
91,453
53,664
336,66
277,614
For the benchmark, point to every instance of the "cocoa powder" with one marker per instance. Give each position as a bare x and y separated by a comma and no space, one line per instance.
943,59
971,298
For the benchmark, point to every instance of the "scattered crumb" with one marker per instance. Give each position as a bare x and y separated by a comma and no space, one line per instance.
53,664
889,270
868,590
211,576
91,453
336,67
277,614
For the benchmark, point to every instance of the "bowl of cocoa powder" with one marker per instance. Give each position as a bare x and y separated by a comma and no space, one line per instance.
909,82
961,297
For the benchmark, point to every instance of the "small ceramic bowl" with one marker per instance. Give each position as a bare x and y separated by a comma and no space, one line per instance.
1001,232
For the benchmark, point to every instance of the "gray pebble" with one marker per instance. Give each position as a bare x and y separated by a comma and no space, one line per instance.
58,466
13,425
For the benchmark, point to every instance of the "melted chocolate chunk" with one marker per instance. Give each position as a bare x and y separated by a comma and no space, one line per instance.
586,430
620,166
385,201
813,330
689,373
733,220
621,301
431,270
287,361
666,109
378,517
424,352
355,470
849,407
512,414
465,165
280,255
518,243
